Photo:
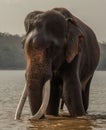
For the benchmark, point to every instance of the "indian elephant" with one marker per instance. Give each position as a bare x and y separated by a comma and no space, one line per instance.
61,48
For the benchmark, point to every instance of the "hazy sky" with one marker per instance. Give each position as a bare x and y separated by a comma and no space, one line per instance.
92,12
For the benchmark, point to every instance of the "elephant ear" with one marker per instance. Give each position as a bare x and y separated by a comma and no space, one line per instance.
74,39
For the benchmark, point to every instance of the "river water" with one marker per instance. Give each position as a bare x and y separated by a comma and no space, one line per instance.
11,86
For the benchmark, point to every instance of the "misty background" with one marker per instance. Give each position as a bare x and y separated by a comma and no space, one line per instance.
13,13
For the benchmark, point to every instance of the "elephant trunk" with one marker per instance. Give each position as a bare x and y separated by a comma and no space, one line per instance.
45,101
38,102
43,107
38,71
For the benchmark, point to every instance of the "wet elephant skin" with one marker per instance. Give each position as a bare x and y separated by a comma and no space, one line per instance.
60,47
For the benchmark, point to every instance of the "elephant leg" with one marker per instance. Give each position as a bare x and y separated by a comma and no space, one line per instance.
85,95
53,106
73,97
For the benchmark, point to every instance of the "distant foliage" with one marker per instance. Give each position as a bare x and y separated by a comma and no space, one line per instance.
12,53
102,62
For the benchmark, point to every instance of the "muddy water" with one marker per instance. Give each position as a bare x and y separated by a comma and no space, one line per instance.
11,85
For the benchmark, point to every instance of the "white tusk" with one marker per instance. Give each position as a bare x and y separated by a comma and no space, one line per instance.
46,96
21,103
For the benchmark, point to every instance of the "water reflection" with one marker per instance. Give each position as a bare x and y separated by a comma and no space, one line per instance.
11,86
63,123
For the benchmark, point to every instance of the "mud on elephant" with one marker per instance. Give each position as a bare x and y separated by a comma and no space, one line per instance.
61,48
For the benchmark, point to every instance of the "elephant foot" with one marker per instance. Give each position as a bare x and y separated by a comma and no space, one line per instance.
75,110
77,113
54,113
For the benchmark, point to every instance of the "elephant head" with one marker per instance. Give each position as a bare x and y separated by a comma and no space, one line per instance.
51,39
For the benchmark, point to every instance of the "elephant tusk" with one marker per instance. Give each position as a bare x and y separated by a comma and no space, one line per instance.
46,96
21,103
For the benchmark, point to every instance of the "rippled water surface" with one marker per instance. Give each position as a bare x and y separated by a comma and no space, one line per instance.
11,85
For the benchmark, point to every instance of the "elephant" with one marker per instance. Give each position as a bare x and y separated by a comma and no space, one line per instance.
61,48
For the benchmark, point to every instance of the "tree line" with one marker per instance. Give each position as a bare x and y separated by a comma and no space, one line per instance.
102,62
12,53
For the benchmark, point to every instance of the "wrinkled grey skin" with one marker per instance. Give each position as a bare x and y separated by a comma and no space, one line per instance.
60,47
